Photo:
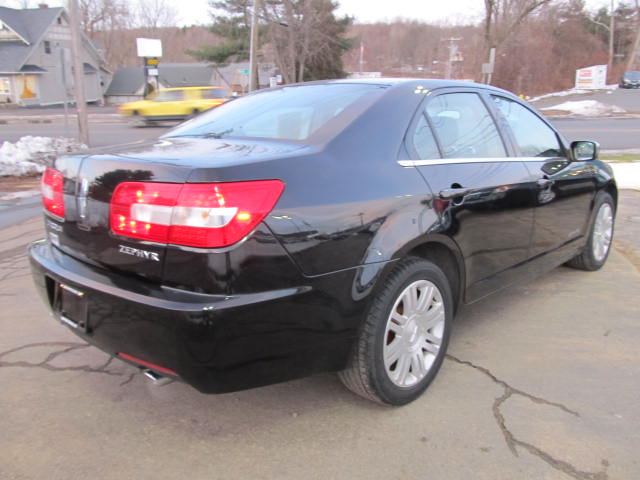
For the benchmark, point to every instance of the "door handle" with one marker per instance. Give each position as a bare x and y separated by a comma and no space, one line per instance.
544,182
449,193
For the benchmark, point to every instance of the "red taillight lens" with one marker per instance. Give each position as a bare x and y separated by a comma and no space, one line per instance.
207,215
52,186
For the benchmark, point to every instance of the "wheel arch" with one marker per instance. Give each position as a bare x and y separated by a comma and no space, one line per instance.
612,189
444,253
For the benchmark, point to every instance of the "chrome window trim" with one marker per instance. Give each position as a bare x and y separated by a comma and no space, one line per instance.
455,161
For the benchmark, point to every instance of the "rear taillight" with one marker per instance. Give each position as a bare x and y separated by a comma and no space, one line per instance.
208,215
53,192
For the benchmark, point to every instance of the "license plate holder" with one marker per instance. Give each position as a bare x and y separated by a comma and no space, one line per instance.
71,307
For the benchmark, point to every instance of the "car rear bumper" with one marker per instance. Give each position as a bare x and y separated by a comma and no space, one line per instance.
216,343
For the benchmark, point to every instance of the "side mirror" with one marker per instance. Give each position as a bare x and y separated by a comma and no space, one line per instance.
584,151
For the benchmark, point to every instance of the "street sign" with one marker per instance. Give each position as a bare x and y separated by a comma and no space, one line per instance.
243,71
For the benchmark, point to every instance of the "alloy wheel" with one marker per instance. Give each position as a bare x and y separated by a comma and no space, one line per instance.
414,333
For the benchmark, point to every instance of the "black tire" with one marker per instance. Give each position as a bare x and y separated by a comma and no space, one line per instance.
367,375
137,120
588,259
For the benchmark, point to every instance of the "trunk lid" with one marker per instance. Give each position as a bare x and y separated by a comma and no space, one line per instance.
90,181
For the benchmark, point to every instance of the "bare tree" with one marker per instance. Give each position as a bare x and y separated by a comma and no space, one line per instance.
101,15
306,38
155,14
503,17
635,50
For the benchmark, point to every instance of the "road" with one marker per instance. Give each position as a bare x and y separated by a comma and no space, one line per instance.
100,134
629,99
541,383
612,133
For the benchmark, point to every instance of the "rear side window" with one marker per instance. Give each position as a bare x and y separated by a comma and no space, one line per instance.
534,137
288,113
423,140
169,96
464,127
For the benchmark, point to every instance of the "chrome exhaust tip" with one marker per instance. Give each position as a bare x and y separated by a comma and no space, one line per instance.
156,378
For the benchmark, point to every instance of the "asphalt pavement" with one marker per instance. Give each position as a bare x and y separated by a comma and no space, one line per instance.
542,382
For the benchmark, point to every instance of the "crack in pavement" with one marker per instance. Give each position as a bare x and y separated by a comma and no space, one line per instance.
66,347
513,442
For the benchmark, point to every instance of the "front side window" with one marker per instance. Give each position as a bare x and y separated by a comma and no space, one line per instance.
534,137
288,113
464,127
214,93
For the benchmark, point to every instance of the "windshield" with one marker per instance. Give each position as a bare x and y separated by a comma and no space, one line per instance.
287,113
633,75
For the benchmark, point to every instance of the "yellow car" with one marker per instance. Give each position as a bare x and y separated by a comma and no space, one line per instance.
174,104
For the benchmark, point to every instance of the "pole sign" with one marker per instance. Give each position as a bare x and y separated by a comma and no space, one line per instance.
151,66
591,78
149,47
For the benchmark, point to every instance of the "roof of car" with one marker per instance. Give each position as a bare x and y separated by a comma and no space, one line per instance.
425,83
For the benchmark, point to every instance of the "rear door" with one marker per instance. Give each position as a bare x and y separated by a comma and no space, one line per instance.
480,192
563,189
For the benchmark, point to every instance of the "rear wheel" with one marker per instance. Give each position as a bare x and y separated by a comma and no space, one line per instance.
596,251
137,120
405,336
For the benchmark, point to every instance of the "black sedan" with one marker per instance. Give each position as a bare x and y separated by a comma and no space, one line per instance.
329,226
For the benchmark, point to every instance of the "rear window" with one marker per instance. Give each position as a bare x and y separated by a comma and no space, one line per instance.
288,113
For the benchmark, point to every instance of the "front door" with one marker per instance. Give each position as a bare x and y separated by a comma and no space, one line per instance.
480,192
563,189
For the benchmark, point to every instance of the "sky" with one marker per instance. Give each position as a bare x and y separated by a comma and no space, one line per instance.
450,11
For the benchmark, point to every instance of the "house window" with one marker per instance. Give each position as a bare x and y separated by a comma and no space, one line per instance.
59,20
5,86
26,87
47,46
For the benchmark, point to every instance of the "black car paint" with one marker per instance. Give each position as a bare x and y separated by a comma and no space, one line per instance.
289,300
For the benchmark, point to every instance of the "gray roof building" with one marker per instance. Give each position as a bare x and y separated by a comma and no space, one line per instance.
128,83
35,58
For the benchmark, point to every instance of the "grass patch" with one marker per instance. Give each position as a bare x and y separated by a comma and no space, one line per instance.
623,158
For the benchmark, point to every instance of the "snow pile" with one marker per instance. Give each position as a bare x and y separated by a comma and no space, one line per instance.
586,107
32,154
571,91
627,174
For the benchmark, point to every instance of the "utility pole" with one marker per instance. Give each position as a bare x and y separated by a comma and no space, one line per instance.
635,51
611,30
254,81
78,73
453,50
